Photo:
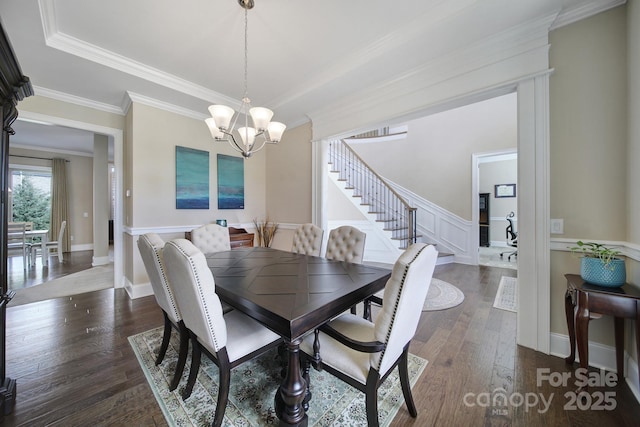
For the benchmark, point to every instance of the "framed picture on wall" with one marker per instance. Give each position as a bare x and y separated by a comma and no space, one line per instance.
505,190
192,178
230,182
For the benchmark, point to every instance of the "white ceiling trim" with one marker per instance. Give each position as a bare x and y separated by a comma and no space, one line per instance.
52,150
72,99
65,43
527,39
131,97
584,11
377,49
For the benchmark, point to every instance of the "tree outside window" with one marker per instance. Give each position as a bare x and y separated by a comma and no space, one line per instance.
32,200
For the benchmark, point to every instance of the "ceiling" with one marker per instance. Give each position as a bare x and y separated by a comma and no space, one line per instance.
303,56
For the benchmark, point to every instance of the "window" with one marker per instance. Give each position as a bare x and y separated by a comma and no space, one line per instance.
30,195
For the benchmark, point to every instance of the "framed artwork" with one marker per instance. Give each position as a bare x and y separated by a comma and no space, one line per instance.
505,190
192,178
230,182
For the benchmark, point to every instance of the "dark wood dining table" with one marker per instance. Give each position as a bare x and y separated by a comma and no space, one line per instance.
291,294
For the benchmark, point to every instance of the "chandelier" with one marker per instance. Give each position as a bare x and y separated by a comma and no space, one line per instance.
222,122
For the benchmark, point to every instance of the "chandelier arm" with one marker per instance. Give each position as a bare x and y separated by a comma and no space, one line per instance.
253,150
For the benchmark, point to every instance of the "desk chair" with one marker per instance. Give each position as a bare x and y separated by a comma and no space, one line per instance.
512,238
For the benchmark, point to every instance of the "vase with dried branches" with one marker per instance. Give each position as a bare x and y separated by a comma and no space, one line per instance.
265,230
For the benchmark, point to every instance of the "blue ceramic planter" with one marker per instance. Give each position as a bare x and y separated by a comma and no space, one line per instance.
592,270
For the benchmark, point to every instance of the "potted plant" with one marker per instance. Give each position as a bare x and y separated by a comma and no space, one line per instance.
600,265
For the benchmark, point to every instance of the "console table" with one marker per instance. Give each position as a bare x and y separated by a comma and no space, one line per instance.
587,299
239,238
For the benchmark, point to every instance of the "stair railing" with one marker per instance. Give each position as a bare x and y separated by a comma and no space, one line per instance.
389,207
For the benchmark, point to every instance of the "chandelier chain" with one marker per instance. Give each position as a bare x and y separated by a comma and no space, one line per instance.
246,53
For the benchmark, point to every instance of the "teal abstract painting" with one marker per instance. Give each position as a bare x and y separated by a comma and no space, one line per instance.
230,182
192,178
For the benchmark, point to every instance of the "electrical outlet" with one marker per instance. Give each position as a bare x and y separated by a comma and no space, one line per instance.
557,226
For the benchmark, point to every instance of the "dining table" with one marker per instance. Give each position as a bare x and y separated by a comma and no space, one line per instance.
291,294
43,234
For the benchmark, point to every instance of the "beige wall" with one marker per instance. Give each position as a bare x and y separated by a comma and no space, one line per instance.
288,177
490,174
588,127
434,161
633,115
154,136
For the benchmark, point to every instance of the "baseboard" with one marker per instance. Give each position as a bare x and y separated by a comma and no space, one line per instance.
138,291
600,356
96,261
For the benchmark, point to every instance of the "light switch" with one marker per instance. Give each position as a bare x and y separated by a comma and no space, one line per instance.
557,226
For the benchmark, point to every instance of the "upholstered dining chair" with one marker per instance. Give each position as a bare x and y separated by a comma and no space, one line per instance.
362,353
307,240
210,238
151,247
53,244
227,339
346,243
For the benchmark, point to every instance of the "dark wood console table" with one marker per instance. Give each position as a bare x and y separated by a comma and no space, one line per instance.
239,238
621,303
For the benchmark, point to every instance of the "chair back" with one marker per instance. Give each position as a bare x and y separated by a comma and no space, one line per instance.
307,240
151,247
210,238
15,232
63,227
16,238
404,296
346,243
195,292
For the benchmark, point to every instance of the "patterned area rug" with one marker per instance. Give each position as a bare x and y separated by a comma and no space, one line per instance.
507,295
253,386
442,295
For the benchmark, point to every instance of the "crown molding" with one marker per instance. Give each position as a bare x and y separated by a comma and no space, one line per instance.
72,99
56,39
50,150
583,11
131,97
527,39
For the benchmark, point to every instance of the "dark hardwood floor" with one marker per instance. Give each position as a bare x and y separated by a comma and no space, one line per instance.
74,365
19,277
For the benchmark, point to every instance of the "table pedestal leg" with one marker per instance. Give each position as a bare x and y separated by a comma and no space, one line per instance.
290,395
570,314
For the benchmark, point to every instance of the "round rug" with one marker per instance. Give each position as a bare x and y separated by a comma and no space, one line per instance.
442,295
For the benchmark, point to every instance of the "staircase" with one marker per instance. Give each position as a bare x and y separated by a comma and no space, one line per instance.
394,215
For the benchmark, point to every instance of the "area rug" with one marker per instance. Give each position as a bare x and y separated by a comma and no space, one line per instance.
507,295
92,279
253,386
442,295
